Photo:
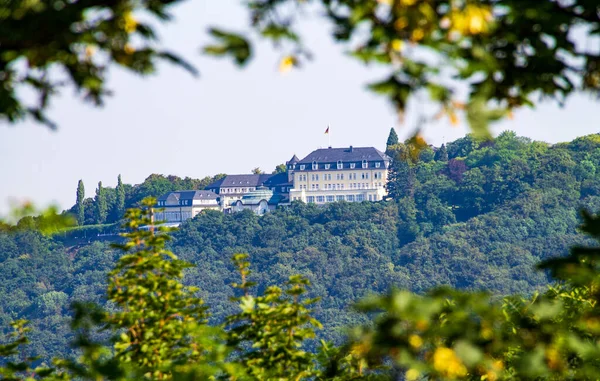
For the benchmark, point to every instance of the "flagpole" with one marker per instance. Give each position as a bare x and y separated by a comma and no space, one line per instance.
329,135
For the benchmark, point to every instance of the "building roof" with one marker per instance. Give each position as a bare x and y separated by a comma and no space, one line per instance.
279,179
240,181
190,195
293,160
350,154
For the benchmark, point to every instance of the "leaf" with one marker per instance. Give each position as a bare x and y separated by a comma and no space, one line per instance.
230,44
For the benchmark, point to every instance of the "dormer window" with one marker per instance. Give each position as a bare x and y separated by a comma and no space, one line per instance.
352,165
365,164
315,166
302,166
377,165
340,165
327,166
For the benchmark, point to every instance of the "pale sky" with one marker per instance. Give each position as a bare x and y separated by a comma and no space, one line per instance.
228,120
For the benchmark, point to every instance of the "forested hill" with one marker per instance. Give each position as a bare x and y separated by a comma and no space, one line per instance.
470,215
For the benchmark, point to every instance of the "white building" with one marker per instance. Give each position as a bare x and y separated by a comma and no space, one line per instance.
176,207
351,174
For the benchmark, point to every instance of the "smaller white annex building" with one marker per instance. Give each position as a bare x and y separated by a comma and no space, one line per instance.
176,207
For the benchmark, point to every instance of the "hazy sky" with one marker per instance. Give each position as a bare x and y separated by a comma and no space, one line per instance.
228,120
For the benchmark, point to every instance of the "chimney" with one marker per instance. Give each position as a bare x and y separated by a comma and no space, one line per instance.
351,149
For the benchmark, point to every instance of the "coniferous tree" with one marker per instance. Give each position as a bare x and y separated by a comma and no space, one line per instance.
119,199
441,154
405,177
80,206
101,205
392,139
401,174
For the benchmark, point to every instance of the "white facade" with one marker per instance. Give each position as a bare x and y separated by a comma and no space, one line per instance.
350,185
173,208
355,179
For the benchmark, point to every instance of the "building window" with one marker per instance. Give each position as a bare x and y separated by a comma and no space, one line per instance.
360,197
330,198
365,164
340,197
340,165
350,198
377,165
302,167
315,166
327,166
367,175
320,199
352,165
283,189
310,199
362,175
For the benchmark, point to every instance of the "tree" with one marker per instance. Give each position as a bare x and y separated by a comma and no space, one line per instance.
83,39
441,154
80,206
281,168
408,229
486,44
401,173
392,138
156,316
258,171
119,199
101,205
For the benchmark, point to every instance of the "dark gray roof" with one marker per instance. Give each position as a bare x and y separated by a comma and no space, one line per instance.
240,181
190,195
350,154
293,160
276,180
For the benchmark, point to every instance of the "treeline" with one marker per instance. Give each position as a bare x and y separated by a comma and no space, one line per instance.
109,204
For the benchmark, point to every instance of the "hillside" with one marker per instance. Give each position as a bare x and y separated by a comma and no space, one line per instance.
469,215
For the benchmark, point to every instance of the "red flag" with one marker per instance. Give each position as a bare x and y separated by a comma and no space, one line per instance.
327,130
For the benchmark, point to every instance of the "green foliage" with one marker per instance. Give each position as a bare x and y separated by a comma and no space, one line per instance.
447,334
230,44
441,154
101,204
119,198
506,50
281,168
161,333
270,330
79,205
156,314
392,138
82,39
487,232
125,196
